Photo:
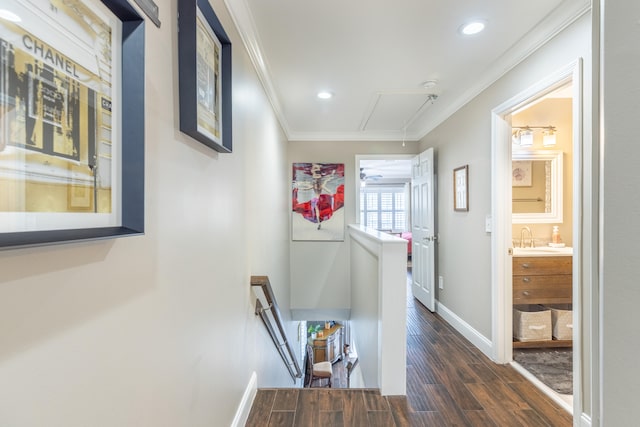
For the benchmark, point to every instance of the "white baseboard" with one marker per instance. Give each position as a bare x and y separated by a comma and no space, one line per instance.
242,414
483,343
567,406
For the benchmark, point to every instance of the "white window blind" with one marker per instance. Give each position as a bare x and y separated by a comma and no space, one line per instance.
383,207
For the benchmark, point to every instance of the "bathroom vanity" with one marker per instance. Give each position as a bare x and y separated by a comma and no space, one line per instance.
542,276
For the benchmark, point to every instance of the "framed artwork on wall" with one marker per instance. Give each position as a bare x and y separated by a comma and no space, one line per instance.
204,55
317,201
461,189
521,173
71,121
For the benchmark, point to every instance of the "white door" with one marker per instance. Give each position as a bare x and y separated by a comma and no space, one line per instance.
422,228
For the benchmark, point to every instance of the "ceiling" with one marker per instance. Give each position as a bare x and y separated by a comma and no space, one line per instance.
385,171
375,55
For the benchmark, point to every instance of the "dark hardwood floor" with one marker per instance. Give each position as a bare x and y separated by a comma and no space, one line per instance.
449,383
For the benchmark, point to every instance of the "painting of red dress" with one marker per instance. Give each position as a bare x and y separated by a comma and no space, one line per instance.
318,200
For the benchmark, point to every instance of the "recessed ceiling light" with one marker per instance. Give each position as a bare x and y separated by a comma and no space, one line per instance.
7,15
471,28
324,94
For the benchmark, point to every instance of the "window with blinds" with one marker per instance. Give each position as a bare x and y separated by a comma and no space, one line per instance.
383,208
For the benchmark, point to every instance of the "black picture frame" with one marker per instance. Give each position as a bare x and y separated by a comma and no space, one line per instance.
132,145
189,78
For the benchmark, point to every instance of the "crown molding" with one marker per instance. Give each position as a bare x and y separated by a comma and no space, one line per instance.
555,22
354,136
245,24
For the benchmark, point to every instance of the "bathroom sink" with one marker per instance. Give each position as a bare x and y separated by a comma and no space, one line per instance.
543,251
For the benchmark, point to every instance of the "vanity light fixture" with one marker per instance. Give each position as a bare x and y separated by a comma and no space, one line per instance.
526,138
549,137
515,137
523,135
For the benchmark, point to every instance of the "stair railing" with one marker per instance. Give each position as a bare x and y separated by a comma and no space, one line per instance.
267,309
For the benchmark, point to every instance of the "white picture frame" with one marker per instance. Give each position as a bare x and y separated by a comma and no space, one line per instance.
461,189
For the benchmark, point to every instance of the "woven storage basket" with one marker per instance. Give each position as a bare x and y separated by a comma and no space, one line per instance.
531,323
561,321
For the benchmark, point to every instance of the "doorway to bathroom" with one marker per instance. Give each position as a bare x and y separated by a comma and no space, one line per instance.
542,240
536,185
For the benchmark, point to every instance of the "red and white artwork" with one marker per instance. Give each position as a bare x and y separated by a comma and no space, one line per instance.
317,201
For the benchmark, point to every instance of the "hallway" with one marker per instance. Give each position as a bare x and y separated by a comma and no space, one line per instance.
449,383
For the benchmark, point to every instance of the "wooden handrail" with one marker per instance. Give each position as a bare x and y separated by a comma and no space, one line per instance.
262,288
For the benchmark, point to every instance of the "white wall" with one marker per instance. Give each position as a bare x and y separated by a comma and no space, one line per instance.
364,311
620,208
158,330
320,270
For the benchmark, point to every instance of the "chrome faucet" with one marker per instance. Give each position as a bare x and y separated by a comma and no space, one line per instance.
522,236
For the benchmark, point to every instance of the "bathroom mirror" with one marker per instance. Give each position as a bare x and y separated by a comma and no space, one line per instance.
536,191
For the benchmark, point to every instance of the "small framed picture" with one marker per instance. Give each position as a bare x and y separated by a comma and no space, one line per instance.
521,173
461,189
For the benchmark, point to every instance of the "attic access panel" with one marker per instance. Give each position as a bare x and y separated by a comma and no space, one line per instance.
394,111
